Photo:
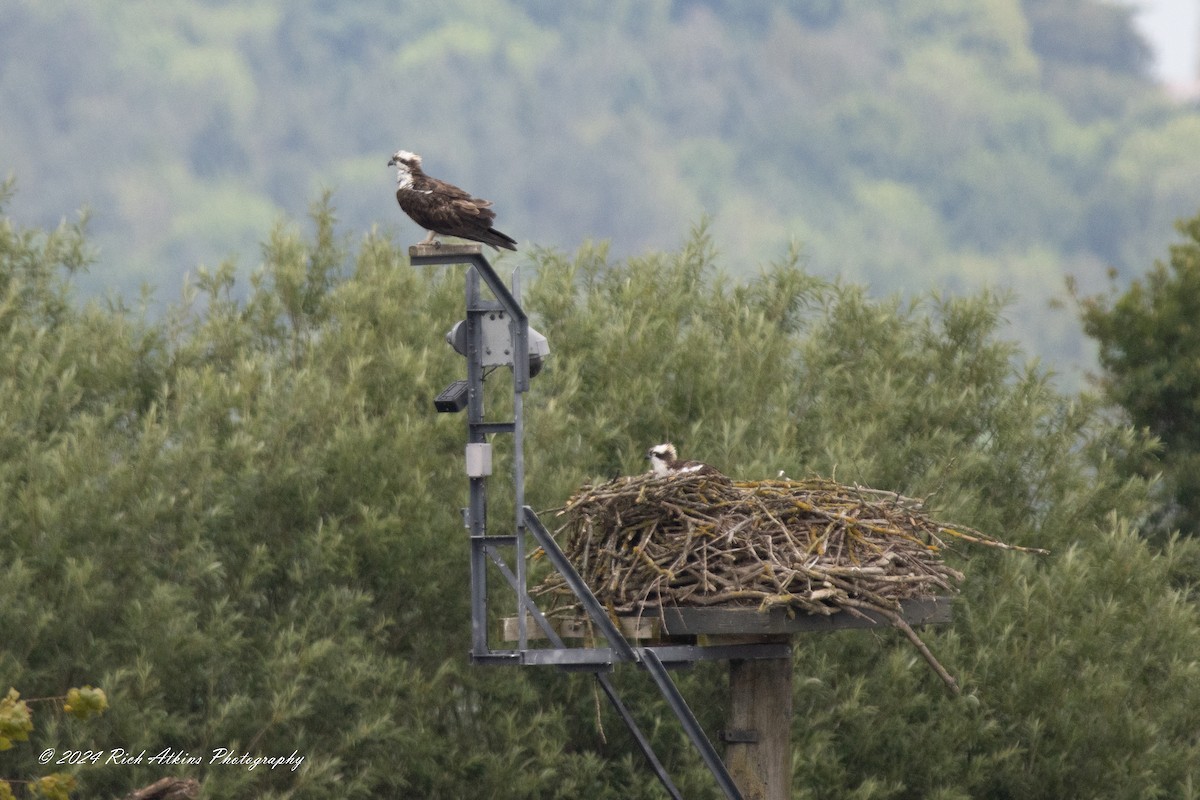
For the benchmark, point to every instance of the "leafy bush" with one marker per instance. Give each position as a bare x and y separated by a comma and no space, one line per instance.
242,521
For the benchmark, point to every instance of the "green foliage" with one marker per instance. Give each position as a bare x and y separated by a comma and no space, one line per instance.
15,720
1149,339
53,787
678,340
85,702
924,398
16,723
246,515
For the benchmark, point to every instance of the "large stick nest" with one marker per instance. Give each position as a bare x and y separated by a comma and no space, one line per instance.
813,546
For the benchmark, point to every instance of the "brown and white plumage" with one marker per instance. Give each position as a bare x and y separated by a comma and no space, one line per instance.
442,208
665,461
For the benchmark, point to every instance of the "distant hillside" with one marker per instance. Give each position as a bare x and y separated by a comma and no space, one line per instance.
916,145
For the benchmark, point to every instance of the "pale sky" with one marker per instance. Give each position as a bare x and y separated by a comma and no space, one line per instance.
1173,29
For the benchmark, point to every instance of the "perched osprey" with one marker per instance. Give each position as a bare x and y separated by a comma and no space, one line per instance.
665,461
440,207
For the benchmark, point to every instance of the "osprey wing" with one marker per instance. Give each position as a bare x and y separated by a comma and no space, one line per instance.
446,209
694,468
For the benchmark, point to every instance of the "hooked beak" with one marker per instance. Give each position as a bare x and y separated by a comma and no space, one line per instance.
392,161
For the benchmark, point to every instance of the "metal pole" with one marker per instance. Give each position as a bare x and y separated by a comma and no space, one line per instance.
477,510
520,333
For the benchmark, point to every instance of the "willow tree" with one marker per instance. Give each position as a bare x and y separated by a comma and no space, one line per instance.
1149,337
241,519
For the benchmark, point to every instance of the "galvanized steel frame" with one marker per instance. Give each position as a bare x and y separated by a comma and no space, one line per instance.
485,547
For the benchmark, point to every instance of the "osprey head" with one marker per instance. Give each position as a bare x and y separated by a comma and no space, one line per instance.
405,159
660,456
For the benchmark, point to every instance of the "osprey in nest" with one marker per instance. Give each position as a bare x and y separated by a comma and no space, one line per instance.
442,208
665,461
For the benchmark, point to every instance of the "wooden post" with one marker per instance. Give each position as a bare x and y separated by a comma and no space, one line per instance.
758,742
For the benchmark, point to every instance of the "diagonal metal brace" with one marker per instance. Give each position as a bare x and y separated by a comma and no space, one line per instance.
608,629
605,682
644,655
690,724
647,749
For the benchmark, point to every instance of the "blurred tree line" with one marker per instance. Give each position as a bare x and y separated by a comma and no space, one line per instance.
241,520
916,144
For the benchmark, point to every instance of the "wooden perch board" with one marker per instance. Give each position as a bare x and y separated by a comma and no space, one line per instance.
685,622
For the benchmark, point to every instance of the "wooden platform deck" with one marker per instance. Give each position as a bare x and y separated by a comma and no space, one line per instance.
664,624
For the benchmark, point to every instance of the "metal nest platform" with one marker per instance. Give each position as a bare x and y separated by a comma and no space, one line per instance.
494,334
